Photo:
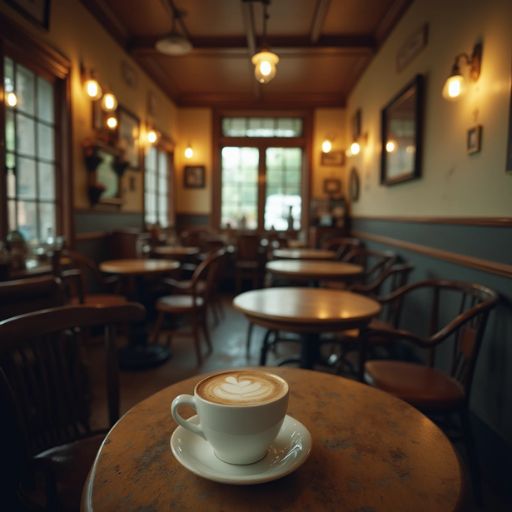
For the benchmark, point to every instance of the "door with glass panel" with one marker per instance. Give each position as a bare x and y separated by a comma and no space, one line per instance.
261,187
31,165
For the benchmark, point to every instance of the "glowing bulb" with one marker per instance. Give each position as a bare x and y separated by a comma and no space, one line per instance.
454,87
390,146
93,89
109,102
189,152
355,148
326,146
152,136
112,122
11,99
265,66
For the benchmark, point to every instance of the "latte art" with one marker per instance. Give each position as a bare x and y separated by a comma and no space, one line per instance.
242,388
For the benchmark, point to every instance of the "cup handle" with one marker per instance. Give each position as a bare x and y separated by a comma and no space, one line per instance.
185,400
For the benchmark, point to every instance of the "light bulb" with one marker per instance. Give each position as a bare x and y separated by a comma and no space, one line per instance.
152,136
11,99
189,152
326,146
390,146
355,148
112,122
454,87
265,66
93,89
109,102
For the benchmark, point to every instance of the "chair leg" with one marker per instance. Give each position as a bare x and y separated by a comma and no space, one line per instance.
158,326
264,348
474,465
250,328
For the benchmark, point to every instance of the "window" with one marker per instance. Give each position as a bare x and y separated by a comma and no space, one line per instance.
30,160
262,183
157,187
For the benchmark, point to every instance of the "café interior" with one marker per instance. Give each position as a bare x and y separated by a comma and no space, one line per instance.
319,189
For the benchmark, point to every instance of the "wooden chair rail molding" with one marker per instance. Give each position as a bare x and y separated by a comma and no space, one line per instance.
493,267
502,222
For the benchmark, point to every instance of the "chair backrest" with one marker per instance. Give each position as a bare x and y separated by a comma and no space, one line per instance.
452,311
343,246
374,262
43,372
392,278
248,247
210,272
31,294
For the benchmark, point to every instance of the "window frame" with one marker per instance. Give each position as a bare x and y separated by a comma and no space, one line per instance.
47,62
262,143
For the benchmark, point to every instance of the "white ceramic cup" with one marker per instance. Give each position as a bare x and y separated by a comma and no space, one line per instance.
238,434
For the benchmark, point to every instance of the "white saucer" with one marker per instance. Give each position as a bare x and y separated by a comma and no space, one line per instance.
289,450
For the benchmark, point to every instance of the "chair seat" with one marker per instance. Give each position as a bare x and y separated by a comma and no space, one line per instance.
425,388
100,299
178,303
71,464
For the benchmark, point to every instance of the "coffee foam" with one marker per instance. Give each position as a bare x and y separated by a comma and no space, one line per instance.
242,388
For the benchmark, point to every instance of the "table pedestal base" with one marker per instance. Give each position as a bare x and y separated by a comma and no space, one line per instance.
140,357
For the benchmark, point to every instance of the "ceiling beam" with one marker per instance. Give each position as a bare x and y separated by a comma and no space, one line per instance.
249,29
105,15
318,20
390,19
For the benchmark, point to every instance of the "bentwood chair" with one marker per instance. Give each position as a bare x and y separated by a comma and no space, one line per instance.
343,246
190,300
249,260
437,316
45,403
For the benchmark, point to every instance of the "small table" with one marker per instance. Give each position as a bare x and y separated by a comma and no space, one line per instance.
307,311
371,451
304,254
138,354
313,269
176,252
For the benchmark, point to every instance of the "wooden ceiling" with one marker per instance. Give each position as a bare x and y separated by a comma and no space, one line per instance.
323,46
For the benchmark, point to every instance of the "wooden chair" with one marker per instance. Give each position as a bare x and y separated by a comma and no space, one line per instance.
44,400
31,294
343,246
192,299
249,260
456,315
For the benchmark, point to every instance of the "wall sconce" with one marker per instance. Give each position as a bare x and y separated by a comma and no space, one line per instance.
357,145
152,136
189,152
327,145
11,99
111,122
109,102
391,146
455,84
93,89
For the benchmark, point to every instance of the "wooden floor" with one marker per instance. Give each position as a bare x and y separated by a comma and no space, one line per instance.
229,342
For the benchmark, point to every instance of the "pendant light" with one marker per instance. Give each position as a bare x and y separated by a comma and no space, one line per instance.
265,61
174,43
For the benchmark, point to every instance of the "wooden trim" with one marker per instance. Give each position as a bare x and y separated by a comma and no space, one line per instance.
322,6
393,15
4,227
493,267
92,235
501,222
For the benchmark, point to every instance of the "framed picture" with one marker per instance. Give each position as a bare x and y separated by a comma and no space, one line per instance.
354,185
37,11
411,47
333,158
128,137
332,186
357,124
401,131
194,176
474,140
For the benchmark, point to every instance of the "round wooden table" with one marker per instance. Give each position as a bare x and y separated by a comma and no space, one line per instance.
370,452
307,311
139,354
304,254
177,252
313,269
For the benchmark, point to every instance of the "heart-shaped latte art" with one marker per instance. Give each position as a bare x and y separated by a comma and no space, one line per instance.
233,386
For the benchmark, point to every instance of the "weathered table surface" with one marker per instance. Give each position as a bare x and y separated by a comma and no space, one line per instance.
313,269
304,254
176,251
371,452
138,266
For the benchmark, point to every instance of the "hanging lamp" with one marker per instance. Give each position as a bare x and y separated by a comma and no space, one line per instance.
265,61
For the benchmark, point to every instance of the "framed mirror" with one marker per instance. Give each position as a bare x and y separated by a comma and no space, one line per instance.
401,125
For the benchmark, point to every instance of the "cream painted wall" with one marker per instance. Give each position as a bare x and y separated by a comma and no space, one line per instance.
328,122
195,128
76,34
453,182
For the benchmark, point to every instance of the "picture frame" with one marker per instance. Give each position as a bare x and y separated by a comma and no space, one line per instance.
401,134
128,130
357,121
411,47
332,186
194,176
354,185
37,11
474,140
333,158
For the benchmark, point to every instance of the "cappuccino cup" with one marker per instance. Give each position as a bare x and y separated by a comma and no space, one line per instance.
240,413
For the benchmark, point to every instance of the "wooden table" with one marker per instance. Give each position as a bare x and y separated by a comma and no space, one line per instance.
138,354
371,452
307,311
304,254
313,269
176,252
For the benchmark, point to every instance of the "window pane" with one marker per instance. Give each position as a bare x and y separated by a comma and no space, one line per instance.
10,137
25,135
11,209
162,210
27,220
46,219
46,181
11,183
261,127
26,178
25,89
8,75
45,109
45,142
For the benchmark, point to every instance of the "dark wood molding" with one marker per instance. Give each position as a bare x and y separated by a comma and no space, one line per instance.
92,235
103,13
492,267
248,20
390,20
322,6
501,222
